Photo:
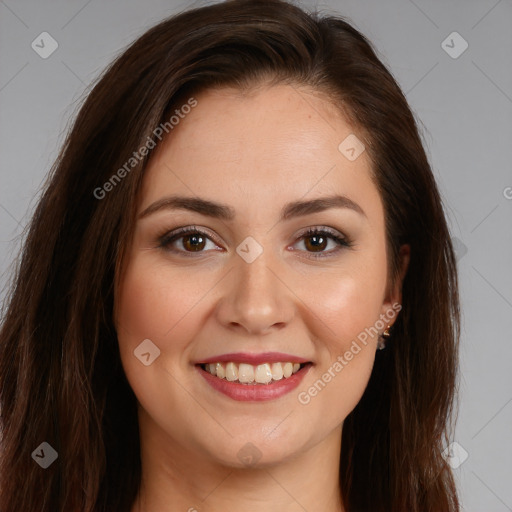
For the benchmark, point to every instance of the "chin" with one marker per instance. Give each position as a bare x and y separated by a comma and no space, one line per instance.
258,451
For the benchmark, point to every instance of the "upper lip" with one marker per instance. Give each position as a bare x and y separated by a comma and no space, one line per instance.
254,359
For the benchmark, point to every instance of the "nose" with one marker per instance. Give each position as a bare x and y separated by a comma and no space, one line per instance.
255,298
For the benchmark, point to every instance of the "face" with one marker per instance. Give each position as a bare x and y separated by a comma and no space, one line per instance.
247,286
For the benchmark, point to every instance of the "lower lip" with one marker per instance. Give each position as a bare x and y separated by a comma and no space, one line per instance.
255,392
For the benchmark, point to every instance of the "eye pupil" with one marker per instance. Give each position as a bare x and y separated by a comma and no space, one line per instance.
319,242
194,239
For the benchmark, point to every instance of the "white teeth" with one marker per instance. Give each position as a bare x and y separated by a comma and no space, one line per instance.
220,370
263,374
277,371
231,372
248,374
245,373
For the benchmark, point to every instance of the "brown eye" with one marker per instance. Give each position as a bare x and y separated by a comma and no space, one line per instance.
315,243
194,243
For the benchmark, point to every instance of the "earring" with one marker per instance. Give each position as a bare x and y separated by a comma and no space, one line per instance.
381,344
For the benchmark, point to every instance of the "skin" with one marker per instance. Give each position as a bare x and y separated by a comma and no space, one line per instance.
254,152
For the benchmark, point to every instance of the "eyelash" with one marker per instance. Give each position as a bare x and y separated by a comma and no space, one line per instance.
167,239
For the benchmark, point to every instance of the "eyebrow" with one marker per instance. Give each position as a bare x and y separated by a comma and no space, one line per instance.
227,213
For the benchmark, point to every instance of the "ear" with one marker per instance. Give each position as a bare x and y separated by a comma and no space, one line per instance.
394,295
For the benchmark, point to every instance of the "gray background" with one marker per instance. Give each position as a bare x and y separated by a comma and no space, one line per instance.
465,108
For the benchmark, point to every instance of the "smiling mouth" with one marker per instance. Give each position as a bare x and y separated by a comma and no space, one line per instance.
242,373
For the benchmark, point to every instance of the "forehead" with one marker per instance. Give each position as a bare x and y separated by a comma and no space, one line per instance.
268,123
271,145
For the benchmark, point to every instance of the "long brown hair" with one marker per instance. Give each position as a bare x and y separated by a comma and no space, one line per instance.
61,379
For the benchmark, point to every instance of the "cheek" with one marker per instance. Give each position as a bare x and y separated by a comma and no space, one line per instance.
344,306
345,348
155,301
347,302
339,386
348,311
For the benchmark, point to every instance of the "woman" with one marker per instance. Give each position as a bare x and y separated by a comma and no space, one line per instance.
238,288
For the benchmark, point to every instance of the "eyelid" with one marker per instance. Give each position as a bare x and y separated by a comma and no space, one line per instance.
320,229
175,234
337,236
342,241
